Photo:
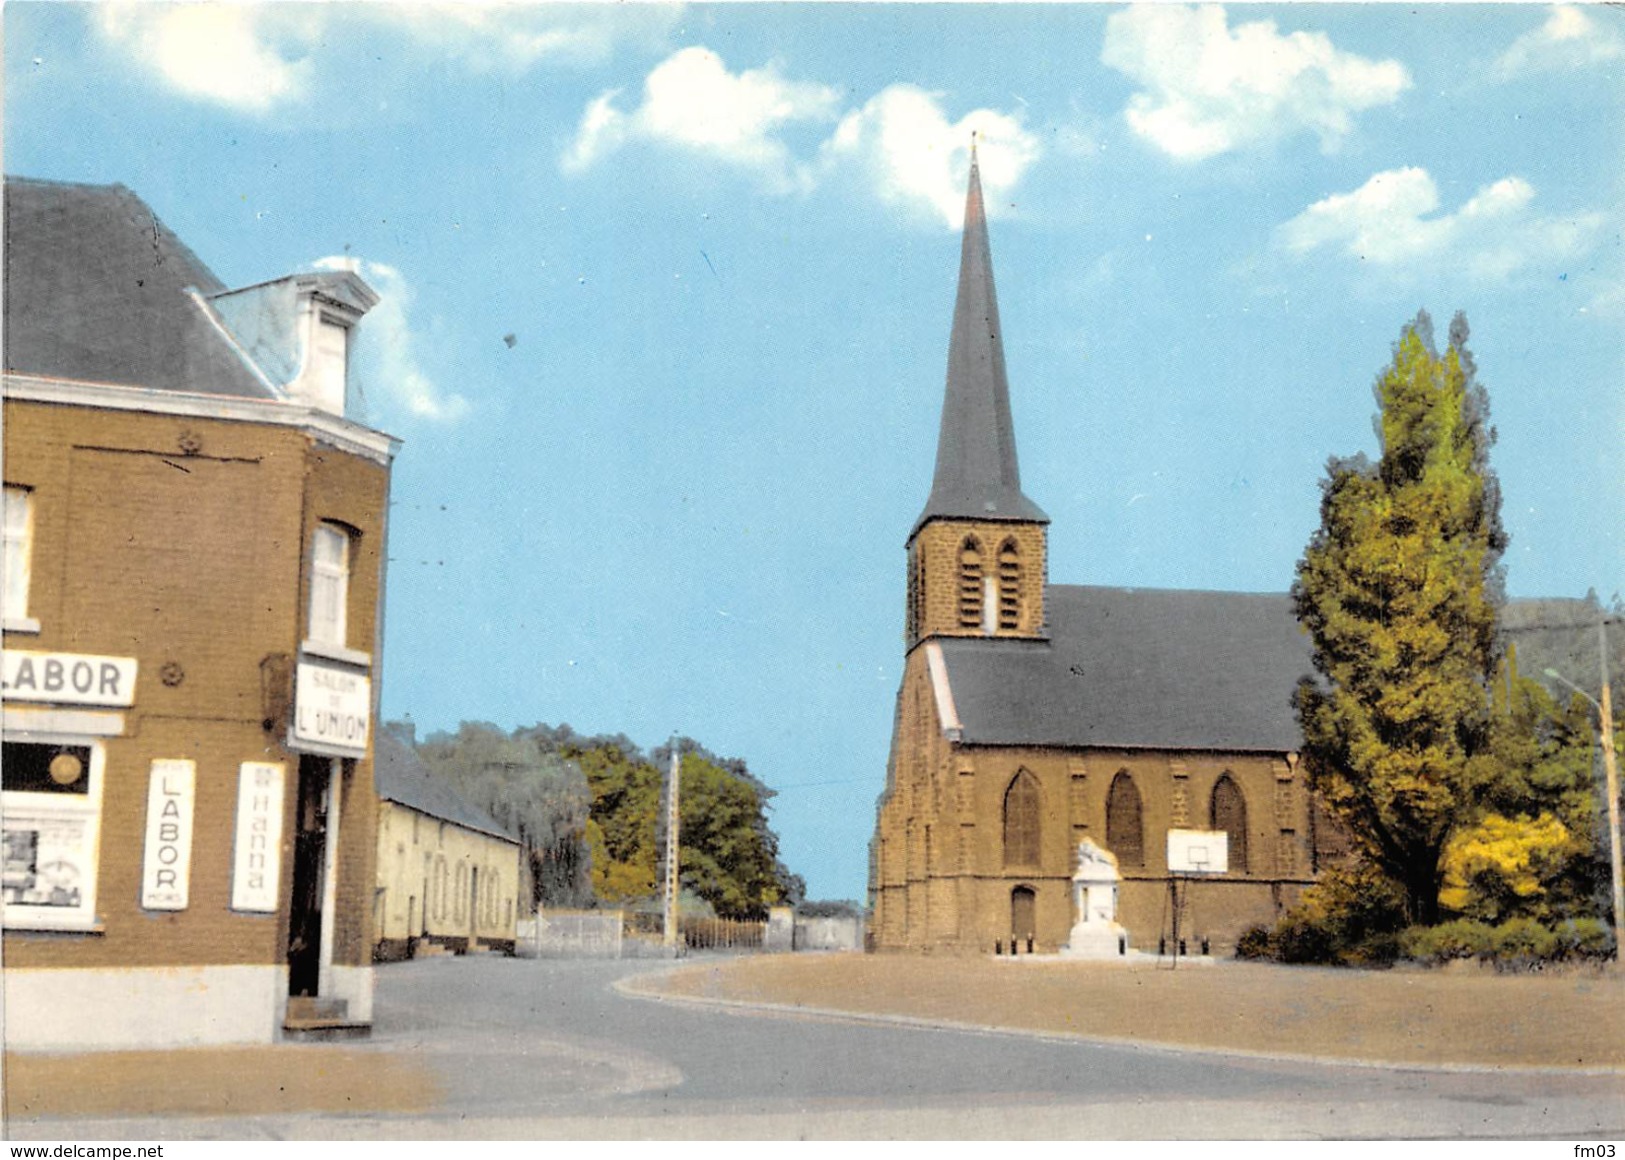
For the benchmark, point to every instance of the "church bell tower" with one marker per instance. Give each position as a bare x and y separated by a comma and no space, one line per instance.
977,556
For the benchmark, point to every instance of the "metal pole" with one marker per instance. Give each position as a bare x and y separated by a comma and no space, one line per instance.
1611,780
672,848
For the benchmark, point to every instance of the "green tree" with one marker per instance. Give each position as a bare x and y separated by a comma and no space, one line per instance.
1399,589
729,851
541,796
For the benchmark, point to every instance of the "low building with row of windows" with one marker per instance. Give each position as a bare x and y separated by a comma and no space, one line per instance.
449,875
195,530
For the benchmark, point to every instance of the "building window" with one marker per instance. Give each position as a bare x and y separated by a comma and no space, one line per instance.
329,584
51,802
1021,821
1230,815
914,593
19,552
970,583
1009,586
1125,833
330,373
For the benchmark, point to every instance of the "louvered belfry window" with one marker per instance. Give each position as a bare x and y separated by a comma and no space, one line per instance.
970,583
1021,821
1230,815
1125,833
1009,586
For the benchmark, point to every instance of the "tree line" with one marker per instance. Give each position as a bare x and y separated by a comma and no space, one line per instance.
589,813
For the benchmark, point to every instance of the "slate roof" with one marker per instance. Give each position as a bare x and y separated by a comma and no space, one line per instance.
1138,668
400,776
96,290
977,476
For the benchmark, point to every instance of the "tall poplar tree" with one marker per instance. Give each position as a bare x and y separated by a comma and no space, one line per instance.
1399,589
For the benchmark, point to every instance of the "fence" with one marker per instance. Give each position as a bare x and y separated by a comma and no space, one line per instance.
571,934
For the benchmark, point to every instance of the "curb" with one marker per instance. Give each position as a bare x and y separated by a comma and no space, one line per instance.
631,988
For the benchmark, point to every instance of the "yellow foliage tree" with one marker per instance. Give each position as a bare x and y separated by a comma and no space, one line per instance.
1503,867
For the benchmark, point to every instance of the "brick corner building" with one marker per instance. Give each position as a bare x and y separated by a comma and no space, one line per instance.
194,570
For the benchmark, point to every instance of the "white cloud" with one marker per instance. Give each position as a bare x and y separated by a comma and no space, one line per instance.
900,143
906,147
385,345
692,101
263,57
514,37
1571,38
1207,89
1392,220
246,57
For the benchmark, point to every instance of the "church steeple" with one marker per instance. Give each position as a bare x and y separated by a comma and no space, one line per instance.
977,476
977,552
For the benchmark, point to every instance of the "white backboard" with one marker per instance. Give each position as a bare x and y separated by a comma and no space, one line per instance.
1198,851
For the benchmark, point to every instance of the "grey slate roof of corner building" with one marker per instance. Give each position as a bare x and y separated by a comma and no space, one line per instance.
1138,668
977,476
96,290
400,776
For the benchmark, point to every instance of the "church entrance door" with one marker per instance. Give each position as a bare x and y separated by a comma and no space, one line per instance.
1023,913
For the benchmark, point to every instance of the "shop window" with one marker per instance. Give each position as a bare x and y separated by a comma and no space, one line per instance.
19,556
1125,831
329,585
52,808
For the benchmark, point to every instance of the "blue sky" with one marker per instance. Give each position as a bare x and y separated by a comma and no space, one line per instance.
667,294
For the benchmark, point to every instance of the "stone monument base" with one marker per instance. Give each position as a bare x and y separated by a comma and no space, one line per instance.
1096,940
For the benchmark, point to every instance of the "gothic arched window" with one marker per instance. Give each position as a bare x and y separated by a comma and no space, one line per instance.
1009,586
970,583
1125,833
1021,821
1230,815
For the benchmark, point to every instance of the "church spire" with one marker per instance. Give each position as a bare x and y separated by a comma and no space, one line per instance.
977,477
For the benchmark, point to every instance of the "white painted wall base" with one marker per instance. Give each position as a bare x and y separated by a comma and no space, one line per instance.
354,984
110,1008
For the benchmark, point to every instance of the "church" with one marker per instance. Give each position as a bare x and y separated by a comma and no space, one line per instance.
1032,715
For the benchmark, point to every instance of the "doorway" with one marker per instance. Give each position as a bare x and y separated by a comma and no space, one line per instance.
1023,913
309,876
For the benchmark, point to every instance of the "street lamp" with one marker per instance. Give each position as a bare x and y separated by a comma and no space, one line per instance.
1605,711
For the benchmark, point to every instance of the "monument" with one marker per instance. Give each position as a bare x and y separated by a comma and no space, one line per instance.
1097,934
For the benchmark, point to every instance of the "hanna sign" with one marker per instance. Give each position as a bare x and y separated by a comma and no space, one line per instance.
332,710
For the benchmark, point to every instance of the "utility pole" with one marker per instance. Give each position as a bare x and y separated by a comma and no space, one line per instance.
672,847
1611,778
1610,770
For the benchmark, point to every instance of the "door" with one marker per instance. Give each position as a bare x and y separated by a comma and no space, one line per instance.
1023,913
309,857
473,905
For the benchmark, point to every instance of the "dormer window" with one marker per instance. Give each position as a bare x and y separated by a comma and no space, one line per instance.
328,370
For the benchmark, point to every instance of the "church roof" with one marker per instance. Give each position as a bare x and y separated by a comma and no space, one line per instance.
96,290
977,476
400,776
1137,668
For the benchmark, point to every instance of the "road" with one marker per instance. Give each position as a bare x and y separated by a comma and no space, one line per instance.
552,1049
